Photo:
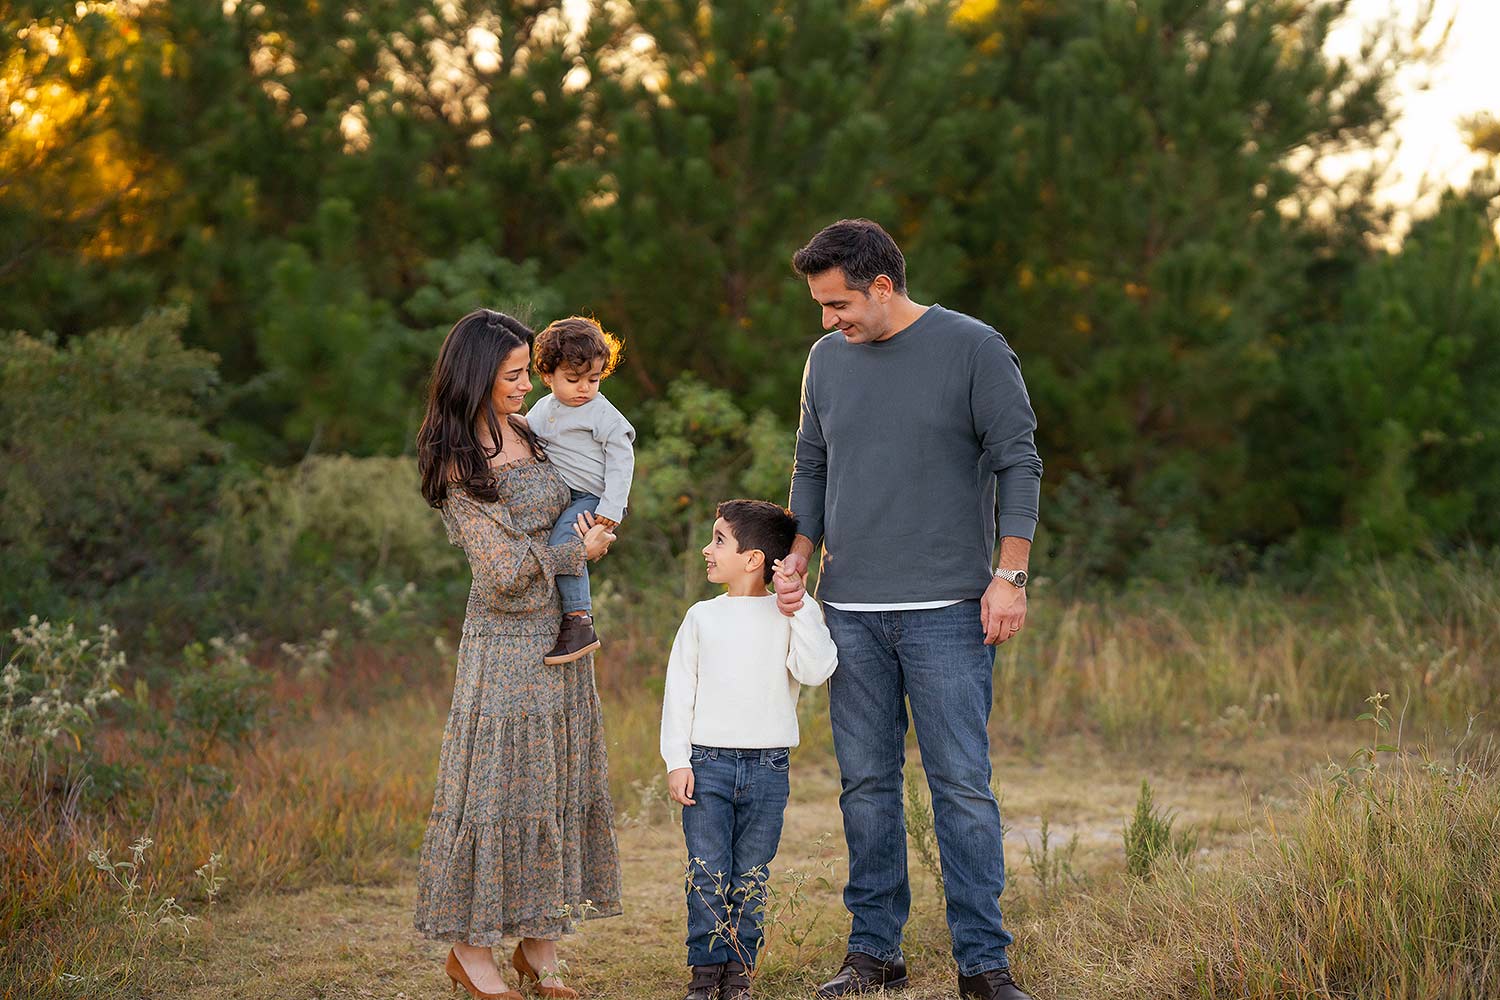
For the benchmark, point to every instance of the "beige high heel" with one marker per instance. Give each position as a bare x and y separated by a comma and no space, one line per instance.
460,977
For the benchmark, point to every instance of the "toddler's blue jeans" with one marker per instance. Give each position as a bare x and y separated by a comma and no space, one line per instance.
574,589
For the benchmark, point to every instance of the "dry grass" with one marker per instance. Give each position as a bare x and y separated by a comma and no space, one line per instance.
1224,700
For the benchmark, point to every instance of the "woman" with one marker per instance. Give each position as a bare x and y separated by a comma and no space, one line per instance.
521,838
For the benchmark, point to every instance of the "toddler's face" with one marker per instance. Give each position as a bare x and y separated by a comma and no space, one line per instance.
575,386
723,556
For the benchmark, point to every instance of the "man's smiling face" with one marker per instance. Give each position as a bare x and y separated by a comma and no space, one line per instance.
860,316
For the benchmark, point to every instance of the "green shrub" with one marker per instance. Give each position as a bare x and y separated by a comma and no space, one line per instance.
51,691
1149,837
220,696
103,458
300,544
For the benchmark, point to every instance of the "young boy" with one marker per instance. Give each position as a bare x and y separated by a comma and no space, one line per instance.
729,718
591,444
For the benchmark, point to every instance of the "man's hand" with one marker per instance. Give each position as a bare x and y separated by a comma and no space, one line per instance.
789,577
1002,611
680,786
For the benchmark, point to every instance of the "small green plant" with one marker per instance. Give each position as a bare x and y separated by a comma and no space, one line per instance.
921,828
220,697
50,694
785,910
313,657
1149,836
1356,777
386,613
147,917
1052,866
653,804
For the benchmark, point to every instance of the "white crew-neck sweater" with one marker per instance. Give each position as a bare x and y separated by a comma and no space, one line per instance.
736,668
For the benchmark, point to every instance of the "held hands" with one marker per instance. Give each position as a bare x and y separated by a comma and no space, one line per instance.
596,534
789,577
1002,611
680,786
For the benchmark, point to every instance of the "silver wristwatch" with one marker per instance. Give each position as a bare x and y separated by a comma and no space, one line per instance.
1014,577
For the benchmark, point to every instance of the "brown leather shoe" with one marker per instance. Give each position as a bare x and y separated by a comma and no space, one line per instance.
575,639
528,974
460,977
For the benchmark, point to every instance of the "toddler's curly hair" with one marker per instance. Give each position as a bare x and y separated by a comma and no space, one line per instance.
576,342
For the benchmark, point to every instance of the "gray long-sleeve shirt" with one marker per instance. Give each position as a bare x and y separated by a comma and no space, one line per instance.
592,445
903,449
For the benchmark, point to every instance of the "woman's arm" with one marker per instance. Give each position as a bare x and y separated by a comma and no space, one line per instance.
504,559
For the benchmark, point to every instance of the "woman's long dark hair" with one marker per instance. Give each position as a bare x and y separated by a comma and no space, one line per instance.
459,396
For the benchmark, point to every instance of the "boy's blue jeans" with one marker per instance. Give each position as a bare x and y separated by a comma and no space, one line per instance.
938,660
574,589
732,834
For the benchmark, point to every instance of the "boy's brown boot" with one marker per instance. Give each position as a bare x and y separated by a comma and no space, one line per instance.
705,982
575,639
736,982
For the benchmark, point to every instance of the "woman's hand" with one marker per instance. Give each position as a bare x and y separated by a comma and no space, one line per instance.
596,535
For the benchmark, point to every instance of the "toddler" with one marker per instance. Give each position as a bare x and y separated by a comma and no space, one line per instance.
591,444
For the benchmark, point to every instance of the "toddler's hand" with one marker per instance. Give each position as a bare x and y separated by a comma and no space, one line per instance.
680,786
608,522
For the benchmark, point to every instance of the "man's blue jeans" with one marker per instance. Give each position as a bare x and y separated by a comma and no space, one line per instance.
574,589
732,834
938,660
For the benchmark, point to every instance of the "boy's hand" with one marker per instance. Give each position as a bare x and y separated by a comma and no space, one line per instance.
680,786
608,522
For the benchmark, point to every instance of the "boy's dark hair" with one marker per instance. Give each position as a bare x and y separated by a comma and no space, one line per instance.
860,248
760,524
576,342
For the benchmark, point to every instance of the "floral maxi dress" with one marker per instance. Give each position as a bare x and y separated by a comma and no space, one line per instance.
521,834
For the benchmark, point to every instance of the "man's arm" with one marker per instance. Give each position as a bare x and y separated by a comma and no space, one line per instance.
809,491
1002,609
1006,426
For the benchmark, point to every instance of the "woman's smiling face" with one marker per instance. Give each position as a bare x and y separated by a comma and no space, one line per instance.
512,382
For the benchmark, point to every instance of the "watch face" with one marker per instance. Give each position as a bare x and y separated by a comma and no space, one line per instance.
1020,578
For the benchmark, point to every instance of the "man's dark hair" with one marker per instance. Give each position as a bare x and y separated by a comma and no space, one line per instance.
860,248
760,524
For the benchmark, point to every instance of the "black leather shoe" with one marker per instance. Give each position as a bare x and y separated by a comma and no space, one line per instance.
736,982
705,982
995,984
863,973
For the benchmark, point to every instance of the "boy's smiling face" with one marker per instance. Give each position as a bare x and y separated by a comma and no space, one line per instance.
727,564
574,386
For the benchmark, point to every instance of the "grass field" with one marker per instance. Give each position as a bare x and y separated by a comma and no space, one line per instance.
1321,866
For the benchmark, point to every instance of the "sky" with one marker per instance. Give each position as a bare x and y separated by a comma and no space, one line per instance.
1465,80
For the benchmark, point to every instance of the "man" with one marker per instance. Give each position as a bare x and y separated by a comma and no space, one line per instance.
915,428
